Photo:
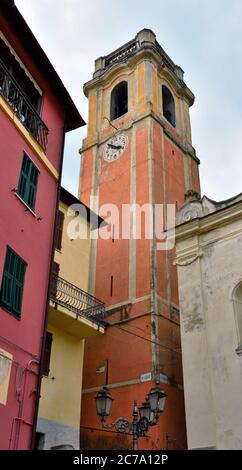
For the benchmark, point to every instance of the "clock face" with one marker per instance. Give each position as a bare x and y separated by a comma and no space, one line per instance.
115,147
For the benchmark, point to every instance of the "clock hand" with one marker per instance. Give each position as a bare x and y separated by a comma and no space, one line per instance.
117,147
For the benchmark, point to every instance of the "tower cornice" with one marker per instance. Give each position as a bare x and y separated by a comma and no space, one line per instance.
143,47
102,139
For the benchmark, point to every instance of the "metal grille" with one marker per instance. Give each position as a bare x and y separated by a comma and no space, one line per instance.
78,301
121,53
11,91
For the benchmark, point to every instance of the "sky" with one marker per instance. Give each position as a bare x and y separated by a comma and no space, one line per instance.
202,36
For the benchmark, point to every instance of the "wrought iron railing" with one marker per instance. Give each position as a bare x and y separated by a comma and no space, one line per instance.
29,117
75,299
121,53
131,47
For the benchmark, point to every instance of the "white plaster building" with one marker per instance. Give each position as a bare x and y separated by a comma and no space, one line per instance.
209,261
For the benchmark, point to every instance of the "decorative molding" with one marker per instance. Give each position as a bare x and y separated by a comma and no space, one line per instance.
163,379
149,50
188,259
208,222
99,140
196,207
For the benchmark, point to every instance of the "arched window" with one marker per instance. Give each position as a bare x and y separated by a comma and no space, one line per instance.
237,299
119,100
168,105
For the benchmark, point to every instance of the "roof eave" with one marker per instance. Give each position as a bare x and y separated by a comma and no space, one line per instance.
73,119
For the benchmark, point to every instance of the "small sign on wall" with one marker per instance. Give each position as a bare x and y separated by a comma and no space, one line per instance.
5,371
146,377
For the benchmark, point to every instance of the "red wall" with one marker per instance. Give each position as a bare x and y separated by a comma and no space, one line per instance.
32,240
128,347
52,113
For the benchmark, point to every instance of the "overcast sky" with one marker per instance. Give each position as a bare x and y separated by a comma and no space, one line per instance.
204,37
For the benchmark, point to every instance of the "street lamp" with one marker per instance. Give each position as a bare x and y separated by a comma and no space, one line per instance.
103,403
149,413
157,398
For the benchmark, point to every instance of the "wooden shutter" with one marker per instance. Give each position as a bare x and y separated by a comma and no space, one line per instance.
33,180
59,230
28,181
47,354
13,282
54,280
23,180
56,269
20,268
8,279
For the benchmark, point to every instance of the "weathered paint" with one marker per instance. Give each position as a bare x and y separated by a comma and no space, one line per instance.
92,113
5,371
60,392
209,269
60,404
74,251
30,236
151,170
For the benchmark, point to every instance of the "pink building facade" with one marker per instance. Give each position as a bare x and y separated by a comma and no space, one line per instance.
35,113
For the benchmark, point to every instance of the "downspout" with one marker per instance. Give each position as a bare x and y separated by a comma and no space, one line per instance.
45,322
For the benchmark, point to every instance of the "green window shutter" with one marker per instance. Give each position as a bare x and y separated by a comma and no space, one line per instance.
23,181
8,279
13,282
28,181
33,180
20,268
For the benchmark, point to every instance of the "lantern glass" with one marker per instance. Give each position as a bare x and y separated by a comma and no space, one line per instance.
103,402
152,416
144,411
100,405
109,401
161,402
156,399
153,400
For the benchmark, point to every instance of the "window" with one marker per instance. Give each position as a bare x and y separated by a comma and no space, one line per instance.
28,181
59,230
23,81
13,282
168,106
54,279
119,100
47,354
237,299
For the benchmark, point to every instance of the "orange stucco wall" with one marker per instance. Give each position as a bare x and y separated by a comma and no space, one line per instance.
151,169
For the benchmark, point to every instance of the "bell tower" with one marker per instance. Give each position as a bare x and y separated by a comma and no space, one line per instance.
138,150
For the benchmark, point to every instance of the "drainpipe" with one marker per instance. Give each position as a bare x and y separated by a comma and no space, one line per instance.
45,322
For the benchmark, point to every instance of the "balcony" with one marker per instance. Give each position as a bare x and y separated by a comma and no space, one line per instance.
22,107
75,304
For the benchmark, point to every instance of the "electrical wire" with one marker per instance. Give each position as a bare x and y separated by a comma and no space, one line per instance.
156,343
18,347
149,340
